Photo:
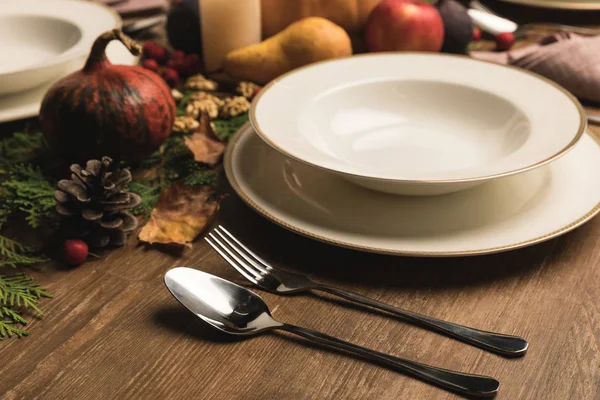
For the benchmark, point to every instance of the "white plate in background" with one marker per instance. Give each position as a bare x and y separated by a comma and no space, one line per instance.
40,38
27,104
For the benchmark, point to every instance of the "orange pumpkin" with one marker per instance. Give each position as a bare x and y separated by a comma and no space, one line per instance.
349,14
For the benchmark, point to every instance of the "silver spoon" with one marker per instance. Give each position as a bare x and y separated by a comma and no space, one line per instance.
236,310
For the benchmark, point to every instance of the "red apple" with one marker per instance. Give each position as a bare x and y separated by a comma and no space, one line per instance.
404,25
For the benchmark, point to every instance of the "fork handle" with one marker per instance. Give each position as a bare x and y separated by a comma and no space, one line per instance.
467,384
506,345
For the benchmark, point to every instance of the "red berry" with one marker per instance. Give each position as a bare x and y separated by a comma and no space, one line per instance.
156,52
194,64
178,65
170,75
75,251
476,34
504,40
150,64
177,55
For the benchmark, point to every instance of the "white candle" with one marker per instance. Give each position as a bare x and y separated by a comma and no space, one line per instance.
227,25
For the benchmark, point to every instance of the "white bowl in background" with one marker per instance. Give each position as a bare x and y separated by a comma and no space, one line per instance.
27,104
417,124
40,38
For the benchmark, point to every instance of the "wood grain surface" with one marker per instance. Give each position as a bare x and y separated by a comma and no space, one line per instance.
113,331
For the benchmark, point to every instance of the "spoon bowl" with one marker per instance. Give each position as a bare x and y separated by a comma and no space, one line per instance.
220,303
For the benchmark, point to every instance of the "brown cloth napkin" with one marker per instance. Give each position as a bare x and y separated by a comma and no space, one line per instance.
568,59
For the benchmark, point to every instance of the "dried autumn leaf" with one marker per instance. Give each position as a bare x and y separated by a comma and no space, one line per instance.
182,212
204,145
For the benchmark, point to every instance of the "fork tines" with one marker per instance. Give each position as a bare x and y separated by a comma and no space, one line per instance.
240,257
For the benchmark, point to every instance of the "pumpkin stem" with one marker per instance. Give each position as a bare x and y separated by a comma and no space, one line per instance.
98,53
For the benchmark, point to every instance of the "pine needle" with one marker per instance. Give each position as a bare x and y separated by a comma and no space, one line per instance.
149,190
18,292
21,290
28,190
8,329
181,104
225,128
6,312
13,253
21,147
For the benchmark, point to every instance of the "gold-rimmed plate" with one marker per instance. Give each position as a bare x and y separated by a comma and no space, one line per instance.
504,214
575,5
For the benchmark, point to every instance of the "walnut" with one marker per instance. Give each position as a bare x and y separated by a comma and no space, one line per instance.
246,89
234,106
196,107
206,96
185,124
177,95
200,82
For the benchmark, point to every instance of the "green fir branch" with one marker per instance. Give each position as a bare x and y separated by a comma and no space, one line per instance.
17,293
152,161
20,290
6,312
8,328
149,190
21,147
225,128
181,104
27,189
13,253
201,178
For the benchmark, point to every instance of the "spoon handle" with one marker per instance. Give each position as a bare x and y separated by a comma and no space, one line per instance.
498,343
467,384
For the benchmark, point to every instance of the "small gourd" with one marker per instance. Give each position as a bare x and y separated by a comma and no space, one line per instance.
120,111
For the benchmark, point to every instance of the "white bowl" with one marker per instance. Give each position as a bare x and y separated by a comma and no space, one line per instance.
417,124
40,38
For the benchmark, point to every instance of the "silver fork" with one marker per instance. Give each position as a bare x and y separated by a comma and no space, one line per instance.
262,274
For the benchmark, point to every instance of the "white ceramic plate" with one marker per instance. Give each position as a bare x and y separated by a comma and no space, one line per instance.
40,38
581,5
415,123
27,104
504,214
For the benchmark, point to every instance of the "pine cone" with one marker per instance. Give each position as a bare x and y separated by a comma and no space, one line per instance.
95,203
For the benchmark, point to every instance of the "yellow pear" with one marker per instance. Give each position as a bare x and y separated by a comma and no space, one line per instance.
303,42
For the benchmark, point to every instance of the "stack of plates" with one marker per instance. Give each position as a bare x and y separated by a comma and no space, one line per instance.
43,41
418,154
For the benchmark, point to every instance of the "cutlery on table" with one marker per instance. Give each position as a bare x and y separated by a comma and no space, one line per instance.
265,276
143,24
236,310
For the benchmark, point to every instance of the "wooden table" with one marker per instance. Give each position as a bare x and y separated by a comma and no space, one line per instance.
113,331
